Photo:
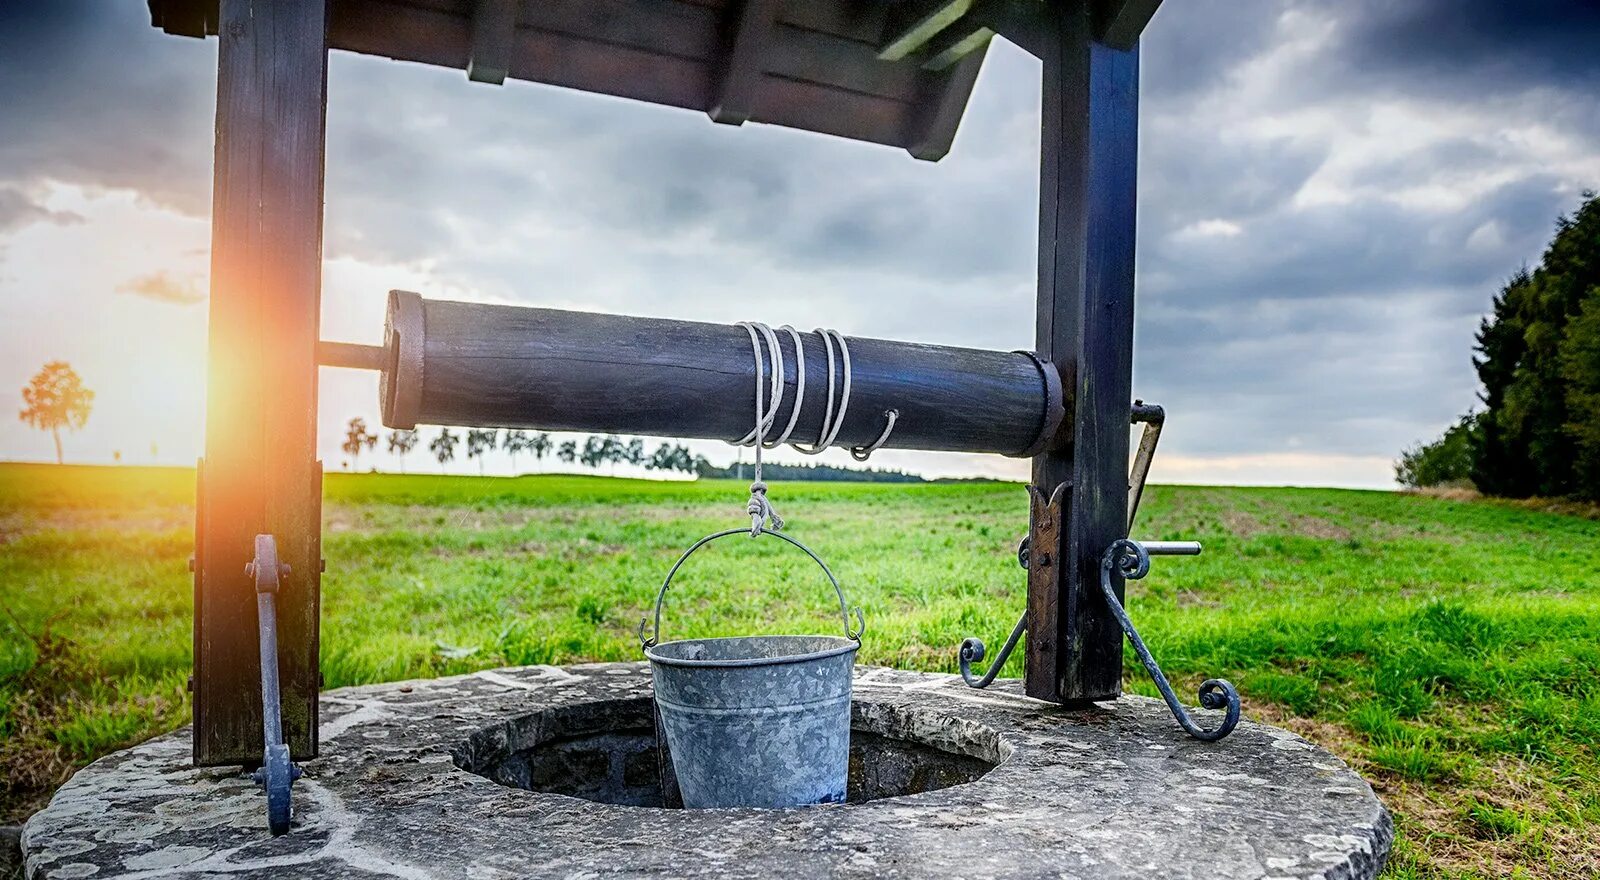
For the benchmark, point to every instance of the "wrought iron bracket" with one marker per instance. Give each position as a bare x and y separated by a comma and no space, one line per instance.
276,773
1047,518
1131,559
1045,514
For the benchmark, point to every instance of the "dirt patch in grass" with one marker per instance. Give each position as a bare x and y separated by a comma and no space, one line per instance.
1336,738
40,708
1497,820
1241,523
15,525
32,764
1501,824
357,518
1560,506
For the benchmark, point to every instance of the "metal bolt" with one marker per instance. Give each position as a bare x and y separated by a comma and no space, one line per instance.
191,564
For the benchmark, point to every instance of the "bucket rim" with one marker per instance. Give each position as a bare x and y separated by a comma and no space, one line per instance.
845,646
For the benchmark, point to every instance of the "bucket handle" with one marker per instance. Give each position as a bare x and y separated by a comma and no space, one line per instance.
845,611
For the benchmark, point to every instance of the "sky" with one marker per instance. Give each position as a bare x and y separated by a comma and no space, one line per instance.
1329,196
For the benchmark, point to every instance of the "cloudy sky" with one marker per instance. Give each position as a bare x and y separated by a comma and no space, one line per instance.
1329,195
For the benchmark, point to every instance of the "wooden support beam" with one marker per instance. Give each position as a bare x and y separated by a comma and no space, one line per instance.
914,23
749,44
1023,22
941,112
261,475
494,31
1089,153
1119,23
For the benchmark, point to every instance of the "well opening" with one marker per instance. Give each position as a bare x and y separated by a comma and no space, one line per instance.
607,751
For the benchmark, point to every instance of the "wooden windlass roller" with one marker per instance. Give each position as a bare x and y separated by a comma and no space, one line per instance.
456,363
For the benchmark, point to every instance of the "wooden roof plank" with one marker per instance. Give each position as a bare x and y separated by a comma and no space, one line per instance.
609,69
856,21
753,33
842,64
854,115
814,66
668,27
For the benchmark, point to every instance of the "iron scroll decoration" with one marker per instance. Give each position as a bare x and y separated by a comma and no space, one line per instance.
845,611
1132,560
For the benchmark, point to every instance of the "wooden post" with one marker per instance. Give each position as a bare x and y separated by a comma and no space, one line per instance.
1089,153
261,475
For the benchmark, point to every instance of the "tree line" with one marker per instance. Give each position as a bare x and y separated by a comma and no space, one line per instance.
596,450
1537,355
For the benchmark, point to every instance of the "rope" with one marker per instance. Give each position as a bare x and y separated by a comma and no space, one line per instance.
832,420
760,509
862,453
770,385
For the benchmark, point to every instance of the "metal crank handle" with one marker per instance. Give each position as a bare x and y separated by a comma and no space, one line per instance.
1171,548
277,772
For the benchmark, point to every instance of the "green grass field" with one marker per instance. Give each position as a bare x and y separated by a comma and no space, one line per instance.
1449,649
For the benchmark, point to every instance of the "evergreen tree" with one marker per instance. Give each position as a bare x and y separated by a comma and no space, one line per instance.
1538,360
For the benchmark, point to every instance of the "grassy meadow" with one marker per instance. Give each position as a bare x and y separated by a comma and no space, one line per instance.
1450,649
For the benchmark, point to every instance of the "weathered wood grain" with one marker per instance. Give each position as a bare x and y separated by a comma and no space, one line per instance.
1085,326
261,472
547,369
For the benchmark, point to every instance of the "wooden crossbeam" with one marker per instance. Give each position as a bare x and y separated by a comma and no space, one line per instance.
1118,23
494,29
915,23
751,37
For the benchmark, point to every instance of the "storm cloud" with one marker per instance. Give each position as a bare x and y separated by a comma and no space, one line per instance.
1329,196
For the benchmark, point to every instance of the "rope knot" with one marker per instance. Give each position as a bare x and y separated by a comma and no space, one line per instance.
761,509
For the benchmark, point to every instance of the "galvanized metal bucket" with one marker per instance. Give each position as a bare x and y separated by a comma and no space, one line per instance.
756,721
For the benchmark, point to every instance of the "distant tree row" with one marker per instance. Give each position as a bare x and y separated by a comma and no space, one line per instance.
1538,356
595,451
819,472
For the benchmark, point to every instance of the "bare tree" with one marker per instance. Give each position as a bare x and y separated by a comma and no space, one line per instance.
673,457
443,447
516,442
357,437
400,445
54,399
595,452
480,441
541,445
